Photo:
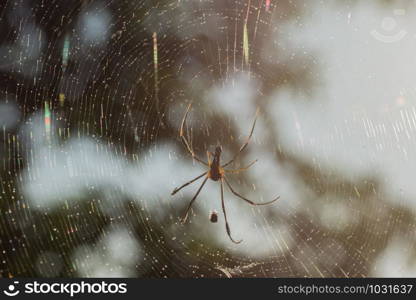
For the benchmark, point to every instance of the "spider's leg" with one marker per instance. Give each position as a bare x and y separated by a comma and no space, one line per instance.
245,199
241,169
192,201
209,155
245,144
185,141
227,227
186,184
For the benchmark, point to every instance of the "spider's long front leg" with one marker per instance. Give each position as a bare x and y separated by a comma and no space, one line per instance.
245,199
186,184
185,141
245,144
227,227
193,199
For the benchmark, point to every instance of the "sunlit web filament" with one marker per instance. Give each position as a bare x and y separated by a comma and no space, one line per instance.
65,58
155,59
156,71
245,37
156,67
61,99
47,120
65,53
245,44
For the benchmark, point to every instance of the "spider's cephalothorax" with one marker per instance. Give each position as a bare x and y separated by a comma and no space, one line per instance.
216,172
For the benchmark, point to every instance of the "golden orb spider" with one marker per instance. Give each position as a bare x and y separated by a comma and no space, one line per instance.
216,172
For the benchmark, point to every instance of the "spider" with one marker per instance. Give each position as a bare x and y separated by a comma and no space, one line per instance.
216,172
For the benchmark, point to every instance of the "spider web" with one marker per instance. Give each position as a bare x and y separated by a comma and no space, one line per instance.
92,96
